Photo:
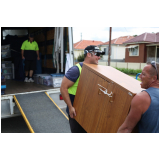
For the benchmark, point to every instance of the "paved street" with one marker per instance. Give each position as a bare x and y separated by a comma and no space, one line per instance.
16,125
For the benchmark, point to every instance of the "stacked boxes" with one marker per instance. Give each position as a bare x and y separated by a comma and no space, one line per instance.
57,79
5,51
47,80
38,78
54,80
7,69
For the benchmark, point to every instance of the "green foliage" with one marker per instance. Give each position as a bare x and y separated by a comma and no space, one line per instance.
80,58
129,71
134,35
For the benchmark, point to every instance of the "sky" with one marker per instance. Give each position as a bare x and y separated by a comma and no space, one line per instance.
102,33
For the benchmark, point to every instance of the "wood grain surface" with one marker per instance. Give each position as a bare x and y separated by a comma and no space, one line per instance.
96,111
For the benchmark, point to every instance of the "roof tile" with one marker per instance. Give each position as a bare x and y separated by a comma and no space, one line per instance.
145,37
119,40
84,43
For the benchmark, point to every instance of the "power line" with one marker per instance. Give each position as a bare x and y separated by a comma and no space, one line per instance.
126,30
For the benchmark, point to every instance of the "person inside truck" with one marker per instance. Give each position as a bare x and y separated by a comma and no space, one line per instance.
30,52
144,110
70,83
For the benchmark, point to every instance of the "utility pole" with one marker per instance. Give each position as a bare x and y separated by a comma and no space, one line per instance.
109,50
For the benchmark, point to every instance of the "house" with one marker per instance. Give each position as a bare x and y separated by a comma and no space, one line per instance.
117,48
81,45
142,48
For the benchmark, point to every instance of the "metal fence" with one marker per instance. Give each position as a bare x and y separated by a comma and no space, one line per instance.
127,65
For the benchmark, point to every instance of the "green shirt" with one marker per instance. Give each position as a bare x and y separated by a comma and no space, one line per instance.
27,45
30,50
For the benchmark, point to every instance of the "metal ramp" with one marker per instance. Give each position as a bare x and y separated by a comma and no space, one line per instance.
41,113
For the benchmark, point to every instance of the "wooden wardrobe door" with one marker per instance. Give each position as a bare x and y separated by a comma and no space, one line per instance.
114,113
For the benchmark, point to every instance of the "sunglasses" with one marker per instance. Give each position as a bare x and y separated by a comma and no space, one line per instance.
96,53
153,63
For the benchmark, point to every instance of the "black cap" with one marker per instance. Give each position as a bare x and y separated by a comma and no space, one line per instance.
31,35
93,48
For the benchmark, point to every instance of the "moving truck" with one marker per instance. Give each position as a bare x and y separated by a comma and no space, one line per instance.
54,45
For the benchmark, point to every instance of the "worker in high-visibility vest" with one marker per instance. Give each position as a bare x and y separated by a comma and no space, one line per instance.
70,83
30,52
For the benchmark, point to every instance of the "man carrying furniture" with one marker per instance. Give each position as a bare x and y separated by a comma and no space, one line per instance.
145,105
70,83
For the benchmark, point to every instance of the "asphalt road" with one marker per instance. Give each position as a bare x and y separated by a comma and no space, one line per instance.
16,124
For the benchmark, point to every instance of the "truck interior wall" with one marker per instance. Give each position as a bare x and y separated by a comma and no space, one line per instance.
44,36
45,39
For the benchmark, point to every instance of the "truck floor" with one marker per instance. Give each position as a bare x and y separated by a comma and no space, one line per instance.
42,114
13,86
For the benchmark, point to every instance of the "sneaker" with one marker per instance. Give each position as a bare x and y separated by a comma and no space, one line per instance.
26,79
30,80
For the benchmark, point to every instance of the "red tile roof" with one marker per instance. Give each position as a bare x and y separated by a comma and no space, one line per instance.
84,43
119,40
145,37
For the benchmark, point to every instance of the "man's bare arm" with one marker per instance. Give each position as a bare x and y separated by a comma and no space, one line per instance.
138,106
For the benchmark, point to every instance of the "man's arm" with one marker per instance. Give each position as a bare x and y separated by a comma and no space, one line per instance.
22,53
66,83
37,55
139,105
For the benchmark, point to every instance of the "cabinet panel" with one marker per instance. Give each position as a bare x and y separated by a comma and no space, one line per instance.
114,113
103,100
90,104
88,107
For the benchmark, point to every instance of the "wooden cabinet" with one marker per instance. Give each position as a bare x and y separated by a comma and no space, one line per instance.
103,98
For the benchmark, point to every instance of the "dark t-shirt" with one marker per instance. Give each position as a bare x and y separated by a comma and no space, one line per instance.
72,74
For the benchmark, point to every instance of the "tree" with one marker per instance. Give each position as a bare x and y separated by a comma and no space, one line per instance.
81,57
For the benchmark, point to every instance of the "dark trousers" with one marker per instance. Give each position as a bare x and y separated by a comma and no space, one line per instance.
30,65
75,126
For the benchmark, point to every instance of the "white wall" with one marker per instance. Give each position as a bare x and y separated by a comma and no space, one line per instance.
77,53
117,52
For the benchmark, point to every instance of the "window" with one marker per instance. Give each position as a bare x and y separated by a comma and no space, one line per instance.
106,50
133,50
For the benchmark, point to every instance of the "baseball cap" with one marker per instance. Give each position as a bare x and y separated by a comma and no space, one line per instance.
31,35
93,48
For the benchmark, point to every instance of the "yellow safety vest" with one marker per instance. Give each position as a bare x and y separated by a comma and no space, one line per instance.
73,89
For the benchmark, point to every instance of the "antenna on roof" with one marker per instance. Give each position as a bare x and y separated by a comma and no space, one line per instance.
81,36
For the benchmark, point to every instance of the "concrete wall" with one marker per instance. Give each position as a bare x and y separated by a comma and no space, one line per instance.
123,65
